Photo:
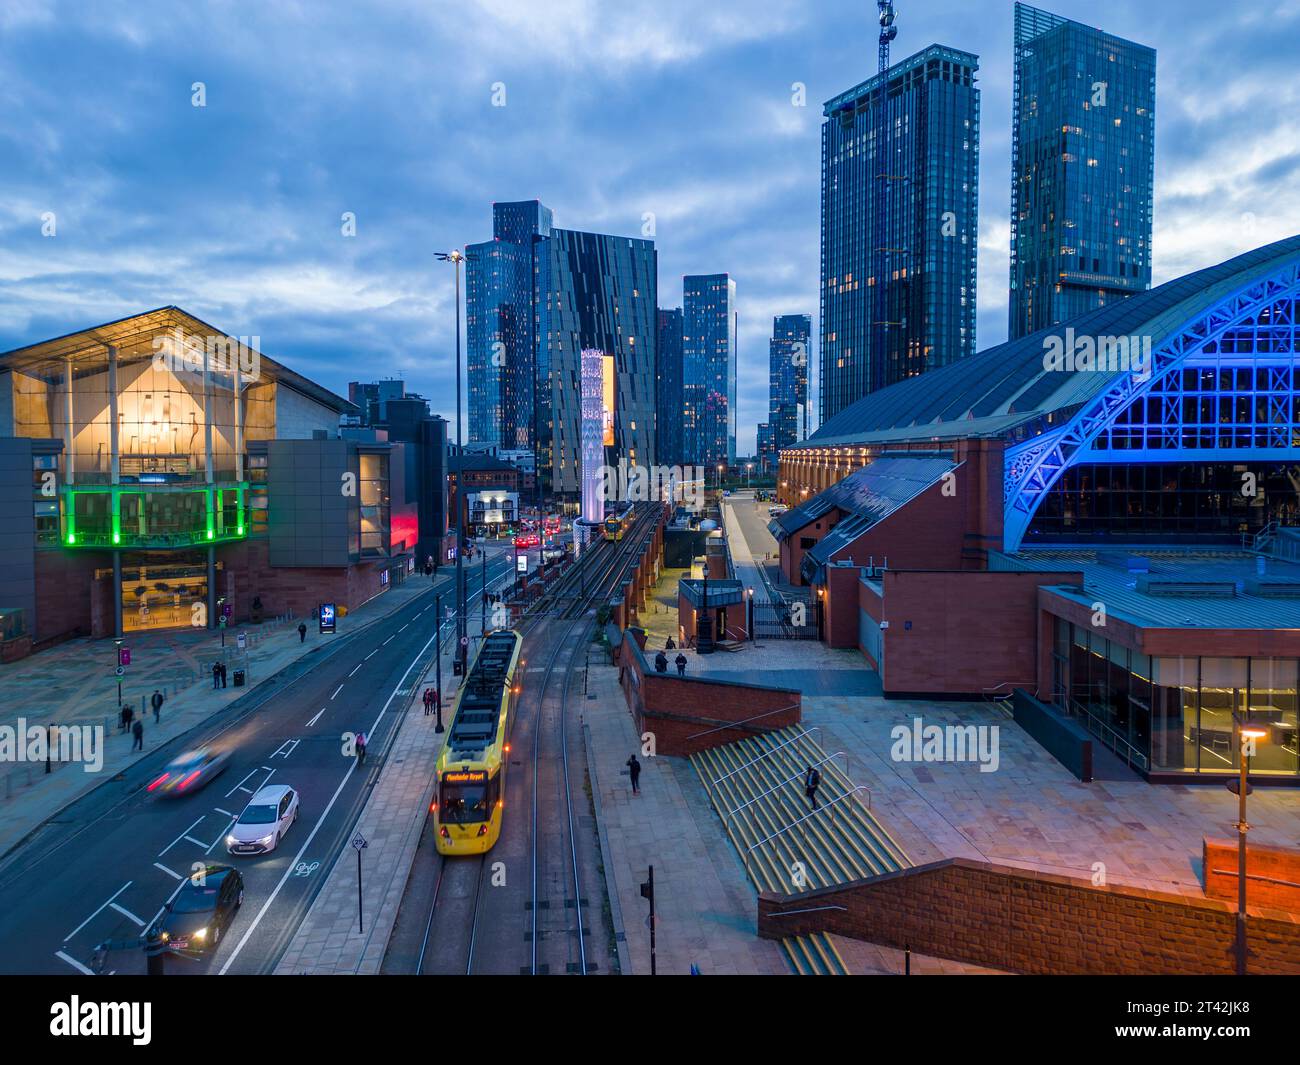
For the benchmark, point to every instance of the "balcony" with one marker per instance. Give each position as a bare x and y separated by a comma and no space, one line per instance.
107,517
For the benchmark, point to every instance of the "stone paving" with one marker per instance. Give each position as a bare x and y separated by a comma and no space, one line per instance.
706,908
28,796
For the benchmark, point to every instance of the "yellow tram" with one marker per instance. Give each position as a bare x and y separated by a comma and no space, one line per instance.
617,524
471,770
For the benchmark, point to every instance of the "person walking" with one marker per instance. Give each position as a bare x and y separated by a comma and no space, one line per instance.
156,701
634,771
661,663
680,660
216,674
222,667
811,782
302,632
669,645
137,730
128,712
361,748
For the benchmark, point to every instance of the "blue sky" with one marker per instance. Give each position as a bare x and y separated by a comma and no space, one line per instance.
612,110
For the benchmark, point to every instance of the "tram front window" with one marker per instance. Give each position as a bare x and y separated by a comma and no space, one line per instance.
464,802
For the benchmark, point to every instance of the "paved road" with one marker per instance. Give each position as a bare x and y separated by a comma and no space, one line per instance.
105,866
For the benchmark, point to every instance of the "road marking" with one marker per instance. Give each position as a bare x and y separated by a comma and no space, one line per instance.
404,627
281,752
316,718
108,901
154,920
197,842
180,837
221,811
389,640
73,962
127,913
237,787
169,872
248,932
371,655
354,672
336,691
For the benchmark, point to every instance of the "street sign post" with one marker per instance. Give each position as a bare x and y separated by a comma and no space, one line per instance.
359,844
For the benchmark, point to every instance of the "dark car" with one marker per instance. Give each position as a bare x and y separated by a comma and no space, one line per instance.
199,914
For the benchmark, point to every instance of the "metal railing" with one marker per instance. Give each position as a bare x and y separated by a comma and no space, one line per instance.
795,824
793,776
770,751
1109,736
743,721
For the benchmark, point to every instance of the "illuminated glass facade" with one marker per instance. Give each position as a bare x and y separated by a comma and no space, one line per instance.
668,407
899,225
1082,169
709,369
788,377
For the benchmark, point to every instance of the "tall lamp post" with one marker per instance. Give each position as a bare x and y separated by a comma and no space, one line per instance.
456,258
1249,733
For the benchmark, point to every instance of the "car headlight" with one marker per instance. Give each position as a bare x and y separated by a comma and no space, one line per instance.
231,841
266,840
200,934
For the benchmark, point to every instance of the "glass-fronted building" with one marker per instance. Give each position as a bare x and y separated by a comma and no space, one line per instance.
709,327
899,225
787,401
1082,169
668,408
536,297
158,468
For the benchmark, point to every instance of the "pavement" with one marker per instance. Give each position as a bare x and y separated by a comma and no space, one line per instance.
705,906
70,684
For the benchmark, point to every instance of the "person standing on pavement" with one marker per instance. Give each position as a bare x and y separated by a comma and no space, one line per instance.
680,660
137,730
156,701
811,782
222,667
216,674
634,771
302,632
661,663
128,712
121,718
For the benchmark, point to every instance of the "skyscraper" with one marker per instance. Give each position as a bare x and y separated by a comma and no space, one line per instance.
537,297
900,191
1082,169
709,368
668,390
787,402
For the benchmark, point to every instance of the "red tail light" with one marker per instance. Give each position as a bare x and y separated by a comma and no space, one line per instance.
189,779
482,829
444,833
157,782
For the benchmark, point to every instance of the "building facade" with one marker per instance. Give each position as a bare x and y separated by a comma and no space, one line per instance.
1082,169
161,473
536,297
669,397
787,403
899,225
709,327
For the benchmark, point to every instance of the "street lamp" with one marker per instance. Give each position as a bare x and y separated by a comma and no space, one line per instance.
456,258
1249,733
749,469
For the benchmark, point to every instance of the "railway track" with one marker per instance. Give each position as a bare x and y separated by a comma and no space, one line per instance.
467,926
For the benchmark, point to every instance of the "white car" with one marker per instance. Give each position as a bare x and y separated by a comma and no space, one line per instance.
264,822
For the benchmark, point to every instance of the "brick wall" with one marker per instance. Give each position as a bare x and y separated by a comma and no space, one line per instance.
1272,874
1029,922
676,709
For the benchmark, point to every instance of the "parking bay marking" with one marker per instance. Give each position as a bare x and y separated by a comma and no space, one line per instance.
107,902
316,718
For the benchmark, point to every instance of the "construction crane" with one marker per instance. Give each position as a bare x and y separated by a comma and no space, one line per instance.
888,31
877,371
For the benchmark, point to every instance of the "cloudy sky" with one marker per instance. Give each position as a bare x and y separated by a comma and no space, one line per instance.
612,109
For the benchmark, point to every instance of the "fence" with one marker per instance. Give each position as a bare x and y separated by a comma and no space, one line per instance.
793,620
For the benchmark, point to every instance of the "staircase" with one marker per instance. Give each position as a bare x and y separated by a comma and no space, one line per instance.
756,787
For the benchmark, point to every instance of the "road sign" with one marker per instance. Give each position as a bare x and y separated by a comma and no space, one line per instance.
119,671
222,621
359,841
464,641
241,641
521,563
124,656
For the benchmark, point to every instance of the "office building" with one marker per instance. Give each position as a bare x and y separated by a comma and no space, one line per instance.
709,327
787,407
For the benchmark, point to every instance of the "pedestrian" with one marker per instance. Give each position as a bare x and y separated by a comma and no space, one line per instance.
216,674
811,782
669,645
361,748
121,718
128,712
137,730
661,663
156,701
634,770
302,632
222,667
680,660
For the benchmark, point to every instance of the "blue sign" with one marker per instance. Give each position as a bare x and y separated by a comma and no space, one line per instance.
327,617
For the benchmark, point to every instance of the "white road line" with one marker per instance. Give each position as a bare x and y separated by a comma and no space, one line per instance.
371,655
248,933
105,903
387,641
354,671
316,718
126,913
240,785
404,627
178,839
197,842
336,691
281,752
169,872
221,811
154,919
73,962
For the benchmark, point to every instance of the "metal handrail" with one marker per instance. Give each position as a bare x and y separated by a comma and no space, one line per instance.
795,824
1130,754
806,909
769,751
793,776
745,721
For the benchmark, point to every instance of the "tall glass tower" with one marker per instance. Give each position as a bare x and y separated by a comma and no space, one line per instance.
1082,169
668,391
709,368
900,192
788,378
